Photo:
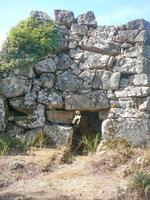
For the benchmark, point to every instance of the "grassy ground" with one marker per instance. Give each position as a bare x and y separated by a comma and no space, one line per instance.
53,174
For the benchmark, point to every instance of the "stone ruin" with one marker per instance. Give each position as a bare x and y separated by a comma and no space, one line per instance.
101,70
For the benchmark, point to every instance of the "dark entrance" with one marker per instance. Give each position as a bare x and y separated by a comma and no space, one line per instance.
87,124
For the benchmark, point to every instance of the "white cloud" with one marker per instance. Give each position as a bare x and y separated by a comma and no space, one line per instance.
119,15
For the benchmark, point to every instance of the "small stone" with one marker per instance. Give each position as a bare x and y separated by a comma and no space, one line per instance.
47,80
16,165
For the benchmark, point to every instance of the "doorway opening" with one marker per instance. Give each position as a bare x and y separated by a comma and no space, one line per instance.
87,131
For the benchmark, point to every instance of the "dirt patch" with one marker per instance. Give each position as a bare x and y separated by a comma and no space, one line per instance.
46,176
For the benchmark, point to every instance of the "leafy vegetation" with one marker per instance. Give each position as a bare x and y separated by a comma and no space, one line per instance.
140,182
89,143
121,145
8,143
28,42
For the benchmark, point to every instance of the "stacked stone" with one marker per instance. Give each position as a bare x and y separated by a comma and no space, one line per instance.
97,69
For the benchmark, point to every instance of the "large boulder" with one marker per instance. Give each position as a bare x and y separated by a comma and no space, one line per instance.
87,19
64,17
87,102
14,86
80,30
57,134
134,130
33,120
67,82
101,41
46,65
60,116
51,99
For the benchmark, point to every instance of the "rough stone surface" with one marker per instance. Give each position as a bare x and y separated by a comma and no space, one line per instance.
85,102
103,69
64,17
135,130
87,19
14,86
46,65
3,113
51,99
60,117
34,120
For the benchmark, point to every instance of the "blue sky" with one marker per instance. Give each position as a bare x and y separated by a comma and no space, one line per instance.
108,12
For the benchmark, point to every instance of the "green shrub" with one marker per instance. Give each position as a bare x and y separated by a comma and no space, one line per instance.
8,143
29,41
121,145
140,181
89,143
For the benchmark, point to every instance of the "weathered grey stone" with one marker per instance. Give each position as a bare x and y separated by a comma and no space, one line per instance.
87,75
3,113
50,99
145,104
128,36
46,65
111,62
106,80
77,55
14,86
85,102
60,117
94,61
101,41
141,80
57,134
138,24
124,103
87,19
80,30
103,114
68,82
64,37
114,81
64,61
129,112
34,120
14,130
74,40
134,51
26,71
64,17
133,91
47,80
110,48
97,82
40,15
24,105
133,130
16,165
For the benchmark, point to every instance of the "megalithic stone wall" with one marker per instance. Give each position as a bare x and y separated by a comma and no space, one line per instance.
103,69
